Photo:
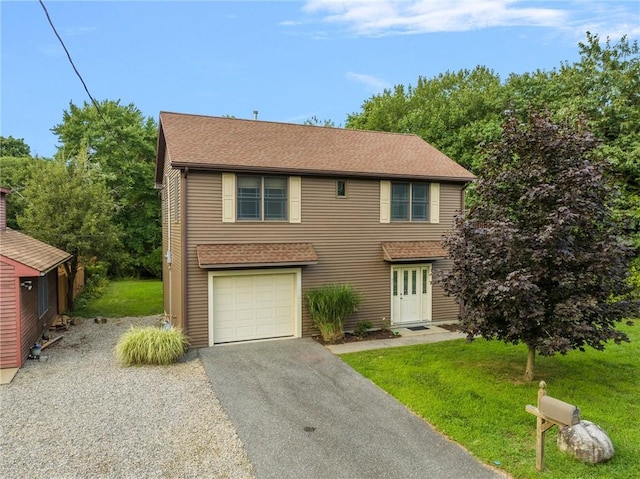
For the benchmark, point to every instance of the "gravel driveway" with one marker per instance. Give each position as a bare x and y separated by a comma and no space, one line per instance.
78,414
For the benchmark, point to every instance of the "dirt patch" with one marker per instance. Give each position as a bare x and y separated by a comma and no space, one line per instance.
454,328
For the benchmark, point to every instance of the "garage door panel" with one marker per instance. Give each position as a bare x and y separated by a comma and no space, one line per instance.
252,307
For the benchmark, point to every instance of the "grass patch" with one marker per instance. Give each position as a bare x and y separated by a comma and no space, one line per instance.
474,393
151,345
125,298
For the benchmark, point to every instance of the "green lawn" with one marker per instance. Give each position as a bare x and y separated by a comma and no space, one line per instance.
125,298
474,393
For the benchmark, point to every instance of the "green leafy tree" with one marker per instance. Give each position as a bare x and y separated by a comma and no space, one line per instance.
539,259
10,146
14,172
455,111
459,112
123,142
69,206
315,121
603,88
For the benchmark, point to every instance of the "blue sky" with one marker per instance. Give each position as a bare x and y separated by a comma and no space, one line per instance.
289,60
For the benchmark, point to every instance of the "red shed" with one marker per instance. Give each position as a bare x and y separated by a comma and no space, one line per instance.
28,290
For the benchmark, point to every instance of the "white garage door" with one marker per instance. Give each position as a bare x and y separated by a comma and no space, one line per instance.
252,307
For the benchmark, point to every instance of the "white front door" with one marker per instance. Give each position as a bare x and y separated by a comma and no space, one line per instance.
410,294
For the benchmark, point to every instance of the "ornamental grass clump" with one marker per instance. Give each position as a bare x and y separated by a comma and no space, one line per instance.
329,306
151,345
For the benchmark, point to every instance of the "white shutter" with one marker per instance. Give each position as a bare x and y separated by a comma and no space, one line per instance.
228,198
385,201
434,203
295,193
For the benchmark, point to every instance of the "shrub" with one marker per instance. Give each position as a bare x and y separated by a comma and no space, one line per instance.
329,306
151,345
362,328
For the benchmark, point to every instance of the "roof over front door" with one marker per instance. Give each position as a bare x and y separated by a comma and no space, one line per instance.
411,251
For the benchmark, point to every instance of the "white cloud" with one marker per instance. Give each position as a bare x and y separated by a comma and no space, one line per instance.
607,19
73,31
372,83
392,17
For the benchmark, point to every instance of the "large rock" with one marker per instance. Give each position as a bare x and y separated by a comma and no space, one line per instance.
586,441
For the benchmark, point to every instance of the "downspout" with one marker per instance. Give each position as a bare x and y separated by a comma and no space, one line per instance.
185,251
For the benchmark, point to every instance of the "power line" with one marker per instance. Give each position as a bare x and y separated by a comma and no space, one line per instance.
95,103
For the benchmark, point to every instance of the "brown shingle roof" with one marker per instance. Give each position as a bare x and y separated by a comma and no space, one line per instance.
30,251
394,251
255,254
236,145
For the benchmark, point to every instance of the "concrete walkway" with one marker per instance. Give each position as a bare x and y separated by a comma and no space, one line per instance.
407,338
302,413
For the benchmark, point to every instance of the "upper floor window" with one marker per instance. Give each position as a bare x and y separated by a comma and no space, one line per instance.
410,202
341,188
261,198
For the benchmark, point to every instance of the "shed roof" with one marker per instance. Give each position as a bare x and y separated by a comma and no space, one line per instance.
31,252
249,145
255,255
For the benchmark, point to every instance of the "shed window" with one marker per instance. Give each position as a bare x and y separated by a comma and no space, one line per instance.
43,295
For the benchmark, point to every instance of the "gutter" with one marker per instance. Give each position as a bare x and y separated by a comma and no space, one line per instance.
325,173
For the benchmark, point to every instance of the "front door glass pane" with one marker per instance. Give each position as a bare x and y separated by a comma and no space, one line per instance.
414,281
395,283
405,286
424,281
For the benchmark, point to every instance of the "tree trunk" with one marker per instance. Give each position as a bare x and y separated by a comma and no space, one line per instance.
531,356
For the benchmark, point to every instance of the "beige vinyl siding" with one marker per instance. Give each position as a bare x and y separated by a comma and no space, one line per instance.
345,232
444,307
173,186
9,357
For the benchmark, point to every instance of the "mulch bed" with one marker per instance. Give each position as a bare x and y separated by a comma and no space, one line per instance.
454,328
352,338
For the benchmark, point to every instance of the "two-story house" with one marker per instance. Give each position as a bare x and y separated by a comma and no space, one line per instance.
256,213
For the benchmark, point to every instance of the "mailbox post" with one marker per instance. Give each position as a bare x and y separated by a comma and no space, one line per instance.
550,412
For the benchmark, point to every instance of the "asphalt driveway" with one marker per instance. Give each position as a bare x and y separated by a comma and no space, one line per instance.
301,412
